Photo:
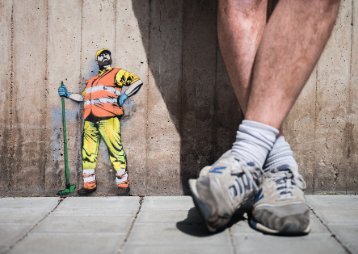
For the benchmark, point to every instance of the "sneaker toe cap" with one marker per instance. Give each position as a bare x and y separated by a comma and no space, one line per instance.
287,219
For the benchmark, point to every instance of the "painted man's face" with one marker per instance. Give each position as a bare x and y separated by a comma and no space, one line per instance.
104,59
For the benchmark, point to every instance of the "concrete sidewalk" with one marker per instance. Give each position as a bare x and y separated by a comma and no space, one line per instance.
160,225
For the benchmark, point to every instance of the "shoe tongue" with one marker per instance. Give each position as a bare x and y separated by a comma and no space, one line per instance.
285,171
283,168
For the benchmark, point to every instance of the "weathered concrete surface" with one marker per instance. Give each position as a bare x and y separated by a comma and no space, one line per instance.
164,90
98,31
64,43
332,130
83,225
352,112
132,43
6,90
341,220
161,225
18,216
185,115
322,124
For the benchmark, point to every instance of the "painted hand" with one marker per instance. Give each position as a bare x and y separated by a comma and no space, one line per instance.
121,99
62,92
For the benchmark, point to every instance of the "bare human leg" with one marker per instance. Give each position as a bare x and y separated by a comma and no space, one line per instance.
291,45
235,177
240,28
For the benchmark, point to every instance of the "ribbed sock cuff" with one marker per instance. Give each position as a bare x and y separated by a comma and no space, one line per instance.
254,140
281,154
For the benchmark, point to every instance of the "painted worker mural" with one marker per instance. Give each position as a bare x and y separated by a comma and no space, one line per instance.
103,99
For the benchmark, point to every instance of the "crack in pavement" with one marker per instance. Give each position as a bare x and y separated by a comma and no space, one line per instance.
141,200
330,231
33,227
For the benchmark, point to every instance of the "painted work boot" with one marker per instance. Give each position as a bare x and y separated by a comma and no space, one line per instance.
89,182
85,192
223,188
280,206
122,181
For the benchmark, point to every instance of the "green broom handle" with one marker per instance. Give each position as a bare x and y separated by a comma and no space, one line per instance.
67,173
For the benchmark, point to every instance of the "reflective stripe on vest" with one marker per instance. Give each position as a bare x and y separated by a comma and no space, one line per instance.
102,88
100,100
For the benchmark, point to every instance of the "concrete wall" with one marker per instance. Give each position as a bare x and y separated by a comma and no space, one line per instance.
183,118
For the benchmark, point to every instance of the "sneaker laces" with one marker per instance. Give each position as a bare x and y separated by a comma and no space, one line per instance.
247,178
285,180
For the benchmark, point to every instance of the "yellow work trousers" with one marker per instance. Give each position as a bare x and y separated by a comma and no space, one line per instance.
109,130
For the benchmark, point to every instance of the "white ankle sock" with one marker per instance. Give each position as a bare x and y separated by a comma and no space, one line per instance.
281,154
254,140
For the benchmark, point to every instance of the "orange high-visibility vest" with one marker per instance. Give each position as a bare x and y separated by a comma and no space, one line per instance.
100,95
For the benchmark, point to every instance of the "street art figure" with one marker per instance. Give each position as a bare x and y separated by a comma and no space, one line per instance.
103,99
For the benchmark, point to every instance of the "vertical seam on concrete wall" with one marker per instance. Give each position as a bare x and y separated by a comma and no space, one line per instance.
314,133
78,171
10,103
147,99
17,139
44,136
115,26
81,51
181,90
214,133
349,109
181,96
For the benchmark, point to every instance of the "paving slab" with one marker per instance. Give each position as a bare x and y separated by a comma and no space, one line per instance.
319,240
161,225
348,235
242,227
340,214
177,249
267,244
175,203
87,224
69,243
102,203
172,225
83,225
98,206
335,209
19,215
4,248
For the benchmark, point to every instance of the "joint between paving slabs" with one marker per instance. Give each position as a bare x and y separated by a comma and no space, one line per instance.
35,225
141,200
233,248
330,231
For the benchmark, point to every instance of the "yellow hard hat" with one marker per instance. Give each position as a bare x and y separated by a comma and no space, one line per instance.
101,51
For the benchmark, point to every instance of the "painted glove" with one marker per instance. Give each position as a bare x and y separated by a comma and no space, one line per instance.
62,92
121,99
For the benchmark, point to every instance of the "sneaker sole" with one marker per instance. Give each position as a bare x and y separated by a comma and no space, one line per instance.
213,221
288,228
203,209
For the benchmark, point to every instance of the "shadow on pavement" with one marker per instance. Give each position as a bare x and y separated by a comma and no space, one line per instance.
194,225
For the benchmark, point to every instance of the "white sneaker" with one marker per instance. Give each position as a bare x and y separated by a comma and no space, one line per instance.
280,206
223,188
